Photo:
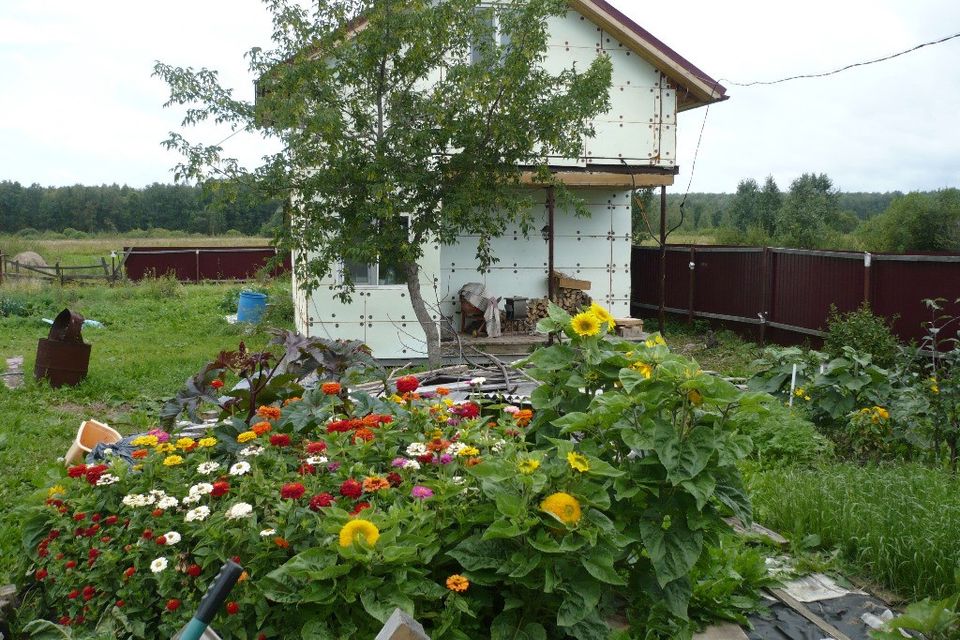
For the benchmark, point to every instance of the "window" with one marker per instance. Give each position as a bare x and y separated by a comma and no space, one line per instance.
385,272
495,36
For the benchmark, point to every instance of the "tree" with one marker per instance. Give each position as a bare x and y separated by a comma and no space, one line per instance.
769,202
917,222
810,211
401,122
744,210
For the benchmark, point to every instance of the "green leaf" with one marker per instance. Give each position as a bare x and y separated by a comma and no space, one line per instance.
731,493
580,598
502,528
555,358
600,468
673,548
474,554
631,379
701,488
599,564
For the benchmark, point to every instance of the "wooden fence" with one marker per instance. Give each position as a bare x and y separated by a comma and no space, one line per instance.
784,295
13,271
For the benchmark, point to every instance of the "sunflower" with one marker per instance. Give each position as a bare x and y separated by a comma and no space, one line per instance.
643,369
586,324
359,529
578,461
528,466
602,315
562,505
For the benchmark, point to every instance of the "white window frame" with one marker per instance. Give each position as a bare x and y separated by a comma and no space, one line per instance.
373,274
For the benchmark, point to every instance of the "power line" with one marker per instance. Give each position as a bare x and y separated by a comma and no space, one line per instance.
841,69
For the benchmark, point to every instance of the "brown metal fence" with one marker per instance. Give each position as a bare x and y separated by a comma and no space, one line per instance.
784,295
194,264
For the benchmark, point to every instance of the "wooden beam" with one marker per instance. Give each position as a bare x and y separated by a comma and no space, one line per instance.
601,179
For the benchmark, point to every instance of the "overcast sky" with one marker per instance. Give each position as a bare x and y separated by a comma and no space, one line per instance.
78,103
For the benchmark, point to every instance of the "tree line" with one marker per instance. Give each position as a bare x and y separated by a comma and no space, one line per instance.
213,208
811,214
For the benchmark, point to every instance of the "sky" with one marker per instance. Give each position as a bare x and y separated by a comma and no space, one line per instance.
78,104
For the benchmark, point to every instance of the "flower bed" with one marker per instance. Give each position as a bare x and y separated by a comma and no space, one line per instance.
480,520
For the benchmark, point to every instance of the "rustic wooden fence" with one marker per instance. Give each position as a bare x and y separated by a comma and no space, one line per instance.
14,271
784,295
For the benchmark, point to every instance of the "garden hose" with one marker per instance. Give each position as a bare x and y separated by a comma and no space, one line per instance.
212,600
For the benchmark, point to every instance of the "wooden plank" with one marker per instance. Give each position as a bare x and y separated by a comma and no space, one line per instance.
563,281
798,606
601,179
725,631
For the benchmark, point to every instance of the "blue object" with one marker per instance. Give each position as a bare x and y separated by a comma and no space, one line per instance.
252,306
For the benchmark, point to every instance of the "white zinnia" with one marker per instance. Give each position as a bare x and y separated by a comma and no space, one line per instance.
196,515
417,449
252,450
411,464
201,489
135,500
239,510
477,381
172,537
317,460
266,533
106,479
167,502
206,468
455,448
193,498
239,468
158,565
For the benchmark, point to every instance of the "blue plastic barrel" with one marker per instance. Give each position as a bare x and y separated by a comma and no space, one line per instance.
252,306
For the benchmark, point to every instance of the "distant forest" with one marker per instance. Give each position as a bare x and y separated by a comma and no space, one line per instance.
214,209
811,213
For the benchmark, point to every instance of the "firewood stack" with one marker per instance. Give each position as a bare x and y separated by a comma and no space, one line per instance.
570,300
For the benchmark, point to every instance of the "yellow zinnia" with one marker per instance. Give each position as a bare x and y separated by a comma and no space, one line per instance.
185,443
246,436
468,451
586,324
56,490
172,461
578,461
564,506
204,443
528,466
356,529
145,441
602,315
166,447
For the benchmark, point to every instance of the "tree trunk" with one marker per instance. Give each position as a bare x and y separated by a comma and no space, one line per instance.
428,322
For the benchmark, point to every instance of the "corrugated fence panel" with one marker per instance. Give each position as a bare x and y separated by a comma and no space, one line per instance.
900,285
645,277
193,264
728,282
806,283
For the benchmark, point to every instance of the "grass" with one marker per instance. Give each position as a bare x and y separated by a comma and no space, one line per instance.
88,251
156,335
896,524
724,352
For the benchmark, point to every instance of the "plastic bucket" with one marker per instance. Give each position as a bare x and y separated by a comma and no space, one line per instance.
90,434
251,307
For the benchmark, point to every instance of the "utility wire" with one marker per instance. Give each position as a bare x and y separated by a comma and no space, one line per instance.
849,66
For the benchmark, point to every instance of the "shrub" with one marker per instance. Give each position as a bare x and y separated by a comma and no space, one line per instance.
162,288
72,234
28,232
781,437
864,332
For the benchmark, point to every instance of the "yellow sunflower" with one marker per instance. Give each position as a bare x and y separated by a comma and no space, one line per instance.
602,315
643,369
578,461
356,529
528,466
564,506
586,324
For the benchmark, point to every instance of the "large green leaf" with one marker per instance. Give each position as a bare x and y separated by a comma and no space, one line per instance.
474,554
599,563
580,598
673,548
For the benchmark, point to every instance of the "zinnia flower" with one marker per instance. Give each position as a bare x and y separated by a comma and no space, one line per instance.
239,468
602,315
216,384
139,454
266,533
206,468
320,501
468,451
330,388
172,538
186,443
246,436
220,488
316,447
373,484
416,449
261,428
359,529
239,510
421,493
197,515
458,583
173,604
252,450
407,384
443,391
280,440
364,435
578,461
351,488
172,461
523,417
562,505
158,565
586,324
205,443
270,413
232,608
292,491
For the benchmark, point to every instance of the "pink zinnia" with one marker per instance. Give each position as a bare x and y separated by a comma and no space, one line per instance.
162,436
421,492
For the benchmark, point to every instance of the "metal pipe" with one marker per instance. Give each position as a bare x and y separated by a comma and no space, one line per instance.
662,315
551,210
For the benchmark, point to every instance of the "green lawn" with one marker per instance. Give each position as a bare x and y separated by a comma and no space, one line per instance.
156,335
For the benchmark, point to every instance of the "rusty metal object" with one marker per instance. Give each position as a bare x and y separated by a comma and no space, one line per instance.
62,357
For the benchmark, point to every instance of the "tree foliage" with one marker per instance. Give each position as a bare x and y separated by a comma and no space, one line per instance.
917,222
401,123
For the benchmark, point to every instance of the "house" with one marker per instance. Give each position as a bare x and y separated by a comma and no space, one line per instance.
634,146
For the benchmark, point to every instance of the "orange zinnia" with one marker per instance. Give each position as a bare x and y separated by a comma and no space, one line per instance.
458,583
373,484
438,445
443,391
270,413
523,417
281,542
261,428
363,434
330,388
140,453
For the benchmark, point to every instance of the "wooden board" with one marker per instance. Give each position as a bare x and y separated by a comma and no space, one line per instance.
566,282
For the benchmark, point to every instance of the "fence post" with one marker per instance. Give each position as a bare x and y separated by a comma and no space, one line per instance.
59,272
3,263
867,261
693,283
766,292
198,266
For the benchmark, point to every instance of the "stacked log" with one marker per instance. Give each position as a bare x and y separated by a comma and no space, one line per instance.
570,300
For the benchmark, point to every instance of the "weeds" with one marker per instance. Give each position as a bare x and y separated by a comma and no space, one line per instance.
897,524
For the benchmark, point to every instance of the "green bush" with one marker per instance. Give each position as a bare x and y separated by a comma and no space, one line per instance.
783,437
72,234
862,330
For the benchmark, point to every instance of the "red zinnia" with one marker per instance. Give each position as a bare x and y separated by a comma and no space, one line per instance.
233,608
351,488
216,384
221,487
54,534
156,513
41,574
339,426
321,500
316,447
96,517
73,595
280,440
129,572
79,517
140,453
93,473
93,553
110,520
395,479
330,388
360,507
77,470
147,534
64,621
194,571
292,491
281,542
307,469
120,603
173,604
407,384
70,564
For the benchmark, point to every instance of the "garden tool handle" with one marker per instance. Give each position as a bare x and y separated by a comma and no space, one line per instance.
212,601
